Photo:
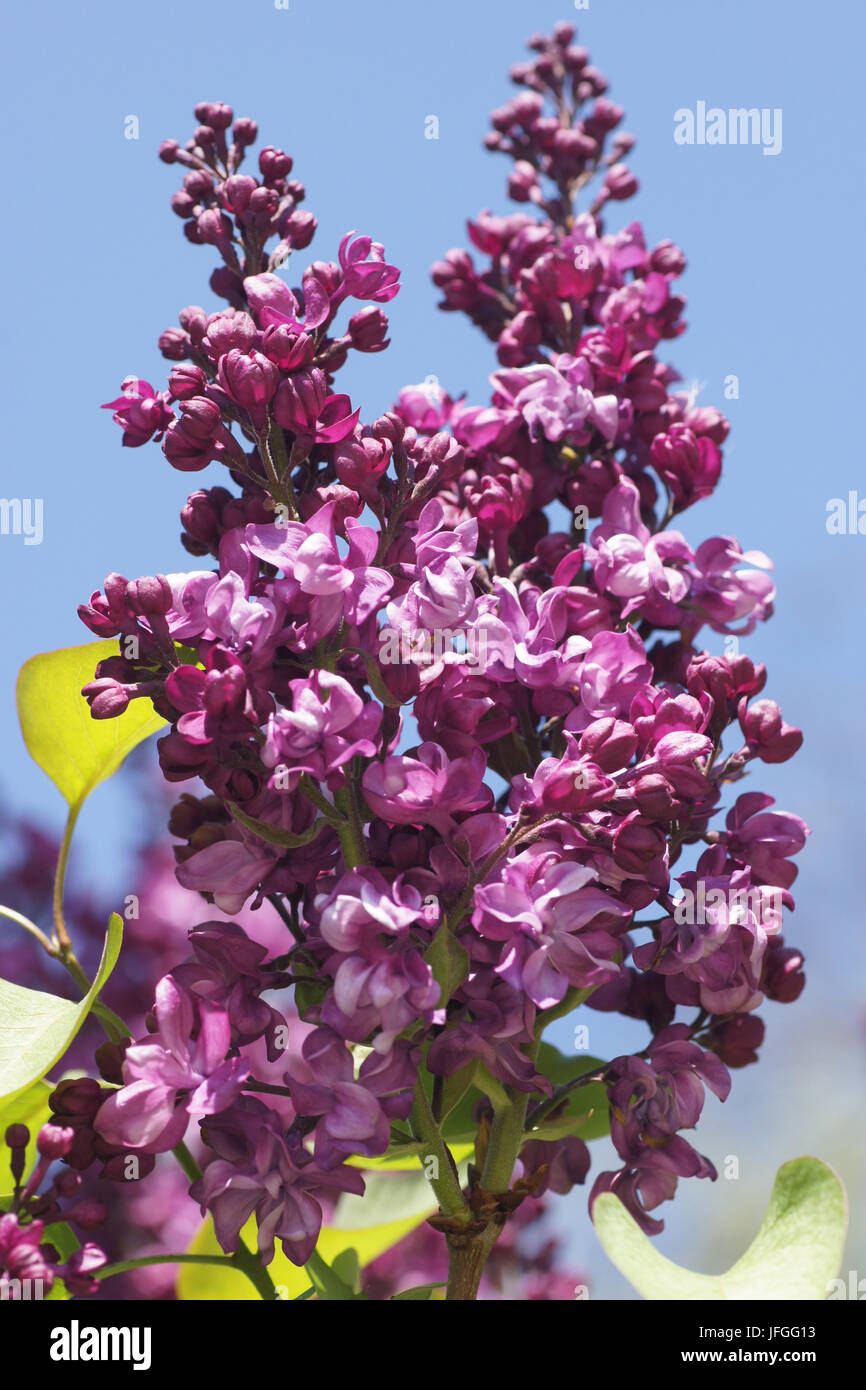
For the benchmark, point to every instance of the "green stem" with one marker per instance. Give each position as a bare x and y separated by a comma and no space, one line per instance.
186,1161
573,999
249,1264
280,478
561,1093
506,1136
123,1265
63,939
112,1024
469,1253
447,1187
312,793
351,833
28,926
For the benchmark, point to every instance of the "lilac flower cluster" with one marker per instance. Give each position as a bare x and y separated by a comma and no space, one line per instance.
445,900
29,1261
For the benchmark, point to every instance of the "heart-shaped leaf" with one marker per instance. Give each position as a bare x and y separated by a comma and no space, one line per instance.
76,751
794,1256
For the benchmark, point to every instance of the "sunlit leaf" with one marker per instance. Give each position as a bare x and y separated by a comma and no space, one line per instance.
37,1028
794,1256
76,751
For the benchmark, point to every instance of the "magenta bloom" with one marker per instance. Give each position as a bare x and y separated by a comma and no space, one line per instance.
304,405
262,1174
559,928
319,582
366,273
427,790
141,412
172,1078
327,725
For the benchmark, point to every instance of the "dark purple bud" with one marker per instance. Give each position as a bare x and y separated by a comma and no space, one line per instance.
88,1215
274,163
654,796
17,1138
245,131
609,743
522,182
214,228
237,191
183,204
263,203
149,596
168,151
667,259
186,382
766,733
605,116
620,183
736,1041
194,320
215,114
201,419
637,843
229,331
54,1141
107,698
174,344
198,184
368,329
250,380
77,1097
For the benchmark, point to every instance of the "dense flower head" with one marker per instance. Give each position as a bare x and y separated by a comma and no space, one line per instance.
506,581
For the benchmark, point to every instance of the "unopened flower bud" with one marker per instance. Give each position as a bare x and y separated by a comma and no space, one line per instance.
54,1141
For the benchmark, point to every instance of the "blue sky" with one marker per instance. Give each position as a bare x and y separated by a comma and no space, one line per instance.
97,267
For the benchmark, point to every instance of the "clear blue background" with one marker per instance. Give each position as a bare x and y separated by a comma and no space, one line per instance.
96,266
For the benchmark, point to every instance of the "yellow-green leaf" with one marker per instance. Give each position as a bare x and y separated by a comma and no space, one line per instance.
37,1028
795,1255
76,751
410,1205
28,1108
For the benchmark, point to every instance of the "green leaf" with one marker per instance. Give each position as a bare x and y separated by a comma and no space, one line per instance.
455,1087
794,1256
404,1158
29,1108
347,1267
586,1112
76,751
63,1238
274,834
388,1198
327,1282
449,961
37,1028
422,1293
405,1212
